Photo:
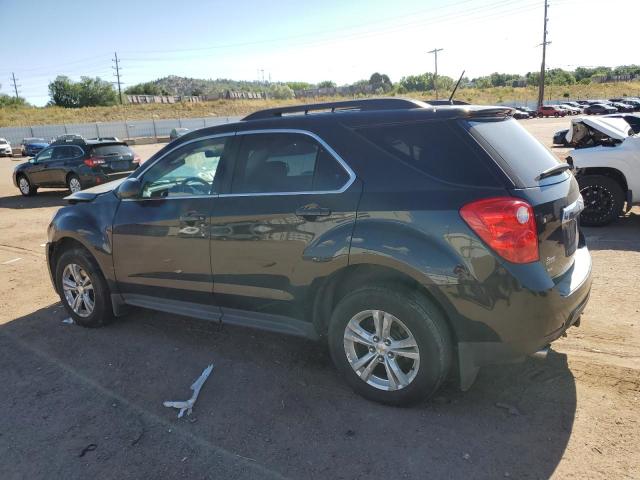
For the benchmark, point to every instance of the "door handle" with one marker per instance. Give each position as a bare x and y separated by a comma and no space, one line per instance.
310,211
193,217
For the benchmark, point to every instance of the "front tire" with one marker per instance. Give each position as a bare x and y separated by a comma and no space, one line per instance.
83,289
26,187
603,200
391,346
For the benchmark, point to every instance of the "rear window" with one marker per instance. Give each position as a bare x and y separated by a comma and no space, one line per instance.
105,150
523,157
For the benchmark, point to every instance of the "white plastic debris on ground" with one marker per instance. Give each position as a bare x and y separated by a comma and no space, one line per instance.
68,321
187,405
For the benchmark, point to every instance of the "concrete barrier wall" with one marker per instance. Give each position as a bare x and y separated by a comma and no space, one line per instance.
124,130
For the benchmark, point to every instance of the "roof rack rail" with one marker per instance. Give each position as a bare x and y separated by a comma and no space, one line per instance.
347,105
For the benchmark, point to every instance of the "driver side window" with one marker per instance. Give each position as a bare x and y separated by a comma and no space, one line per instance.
44,156
190,170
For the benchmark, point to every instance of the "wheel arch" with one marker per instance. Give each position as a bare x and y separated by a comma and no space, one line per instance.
610,172
333,288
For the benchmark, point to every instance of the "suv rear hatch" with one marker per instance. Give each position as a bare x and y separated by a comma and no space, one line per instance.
113,158
541,180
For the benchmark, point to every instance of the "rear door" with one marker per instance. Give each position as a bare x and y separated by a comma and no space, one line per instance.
285,222
556,199
62,161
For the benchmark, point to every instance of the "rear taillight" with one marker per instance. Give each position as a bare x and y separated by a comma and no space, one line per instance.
93,162
507,225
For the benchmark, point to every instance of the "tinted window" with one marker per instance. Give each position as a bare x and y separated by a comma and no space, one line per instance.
285,162
434,148
44,155
190,170
105,150
525,156
67,152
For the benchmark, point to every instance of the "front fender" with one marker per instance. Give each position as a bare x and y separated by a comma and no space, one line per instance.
90,225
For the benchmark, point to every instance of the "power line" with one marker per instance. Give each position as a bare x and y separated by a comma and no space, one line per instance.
544,54
117,74
15,85
435,75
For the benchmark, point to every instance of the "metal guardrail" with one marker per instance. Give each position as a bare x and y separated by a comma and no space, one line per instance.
124,130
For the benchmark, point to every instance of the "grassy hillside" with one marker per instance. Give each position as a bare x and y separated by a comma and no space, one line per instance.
24,116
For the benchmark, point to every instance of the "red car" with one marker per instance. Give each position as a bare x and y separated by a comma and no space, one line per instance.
550,111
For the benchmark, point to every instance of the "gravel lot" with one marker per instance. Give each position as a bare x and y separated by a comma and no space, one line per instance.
274,407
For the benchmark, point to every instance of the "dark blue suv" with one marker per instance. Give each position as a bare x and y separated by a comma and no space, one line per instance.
420,242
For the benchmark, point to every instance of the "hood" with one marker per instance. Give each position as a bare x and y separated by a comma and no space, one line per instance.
37,144
91,193
615,128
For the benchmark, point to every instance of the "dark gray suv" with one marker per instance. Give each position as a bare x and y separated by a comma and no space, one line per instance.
420,242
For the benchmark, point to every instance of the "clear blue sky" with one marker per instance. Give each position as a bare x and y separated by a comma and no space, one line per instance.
312,41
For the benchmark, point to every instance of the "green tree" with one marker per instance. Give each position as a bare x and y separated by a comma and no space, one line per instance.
88,92
281,91
298,85
381,82
148,88
327,84
9,101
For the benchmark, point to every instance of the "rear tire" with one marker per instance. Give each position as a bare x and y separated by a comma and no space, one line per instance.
73,183
397,373
603,200
76,268
26,187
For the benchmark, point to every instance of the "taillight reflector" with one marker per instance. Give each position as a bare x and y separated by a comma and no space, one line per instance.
93,162
507,225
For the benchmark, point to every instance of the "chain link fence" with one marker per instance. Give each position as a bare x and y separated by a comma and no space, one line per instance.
131,129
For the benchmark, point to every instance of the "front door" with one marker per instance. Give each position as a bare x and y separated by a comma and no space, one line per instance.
285,221
161,239
38,170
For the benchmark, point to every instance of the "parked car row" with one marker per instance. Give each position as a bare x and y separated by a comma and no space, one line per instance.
590,107
73,162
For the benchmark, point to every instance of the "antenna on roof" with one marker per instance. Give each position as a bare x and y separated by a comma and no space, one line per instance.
456,87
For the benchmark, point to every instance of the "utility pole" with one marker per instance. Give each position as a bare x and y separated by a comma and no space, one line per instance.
117,69
435,75
15,85
544,55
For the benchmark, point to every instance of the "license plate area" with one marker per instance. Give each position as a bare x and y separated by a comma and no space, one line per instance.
570,232
119,166
570,236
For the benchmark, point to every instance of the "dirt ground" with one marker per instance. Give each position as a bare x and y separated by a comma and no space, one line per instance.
274,407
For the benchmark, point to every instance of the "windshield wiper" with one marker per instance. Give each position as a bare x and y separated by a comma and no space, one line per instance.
555,170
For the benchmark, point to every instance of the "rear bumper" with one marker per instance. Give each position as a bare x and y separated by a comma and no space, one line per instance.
92,179
540,317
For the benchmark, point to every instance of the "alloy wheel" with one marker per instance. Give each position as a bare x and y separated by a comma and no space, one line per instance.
23,183
381,350
74,185
78,290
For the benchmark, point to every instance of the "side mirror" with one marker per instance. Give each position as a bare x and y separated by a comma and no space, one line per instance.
130,188
32,160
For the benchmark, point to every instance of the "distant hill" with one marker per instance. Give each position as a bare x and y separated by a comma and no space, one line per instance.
175,85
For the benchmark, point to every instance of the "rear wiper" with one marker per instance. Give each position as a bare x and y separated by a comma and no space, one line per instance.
555,170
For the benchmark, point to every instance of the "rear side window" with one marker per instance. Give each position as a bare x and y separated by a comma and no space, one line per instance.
106,150
434,148
523,156
285,162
